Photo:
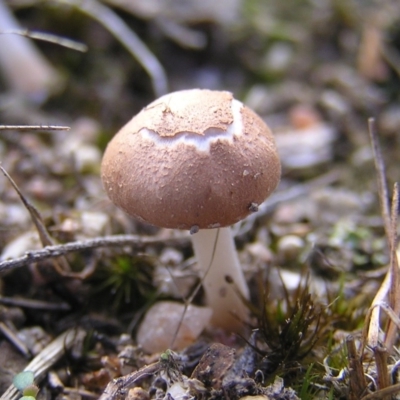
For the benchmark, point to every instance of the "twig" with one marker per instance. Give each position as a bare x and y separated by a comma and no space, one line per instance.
34,128
167,363
381,394
118,386
381,356
111,21
34,304
71,247
358,384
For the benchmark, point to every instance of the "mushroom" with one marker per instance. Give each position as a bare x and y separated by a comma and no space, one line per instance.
197,160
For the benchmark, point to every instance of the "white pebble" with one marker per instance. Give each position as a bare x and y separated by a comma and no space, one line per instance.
159,326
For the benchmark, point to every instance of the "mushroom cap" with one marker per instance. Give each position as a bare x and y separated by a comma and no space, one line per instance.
192,159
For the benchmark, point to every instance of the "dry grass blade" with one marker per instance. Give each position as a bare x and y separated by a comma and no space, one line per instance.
390,284
382,394
372,325
48,37
61,264
34,213
394,318
380,168
394,291
111,21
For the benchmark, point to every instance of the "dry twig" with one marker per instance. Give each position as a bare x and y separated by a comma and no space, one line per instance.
381,356
117,387
381,394
358,384
34,128
135,241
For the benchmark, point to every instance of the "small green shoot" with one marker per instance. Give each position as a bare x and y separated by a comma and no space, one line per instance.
24,382
306,390
125,281
23,379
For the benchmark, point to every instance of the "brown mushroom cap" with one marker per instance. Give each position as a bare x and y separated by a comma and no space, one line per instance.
193,158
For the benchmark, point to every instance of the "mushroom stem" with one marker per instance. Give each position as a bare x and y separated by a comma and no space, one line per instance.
218,260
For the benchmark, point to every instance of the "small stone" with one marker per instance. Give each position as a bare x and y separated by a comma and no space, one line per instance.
28,240
259,251
171,257
138,393
34,338
303,116
157,331
289,247
307,147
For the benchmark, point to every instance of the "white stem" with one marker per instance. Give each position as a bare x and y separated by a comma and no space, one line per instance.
217,259
26,71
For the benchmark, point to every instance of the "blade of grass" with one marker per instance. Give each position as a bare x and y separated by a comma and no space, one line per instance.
121,31
60,263
394,290
381,175
372,338
48,37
